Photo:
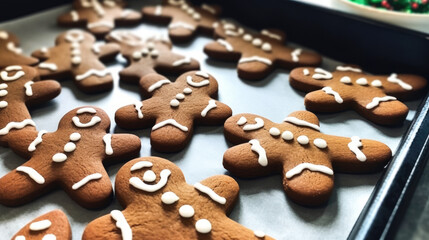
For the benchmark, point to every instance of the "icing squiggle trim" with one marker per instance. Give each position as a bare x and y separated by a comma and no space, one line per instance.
28,88
321,73
300,122
256,147
11,46
226,44
86,110
4,75
393,78
50,66
158,85
348,69
33,174
16,125
98,73
209,8
122,224
92,122
138,106
376,101
186,60
40,225
74,15
312,167
107,139
212,194
256,59
295,54
181,25
170,122
85,180
101,24
271,35
250,127
37,141
139,184
191,82
140,165
354,147
330,91
210,106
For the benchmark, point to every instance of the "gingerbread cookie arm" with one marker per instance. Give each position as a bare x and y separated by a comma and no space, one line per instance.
121,145
71,19
222,50
151,83
42,54
52,225
108,226
42,91
328,100
294,57
403,86
171,62
11,53
106,52
383,110
233,127
302,79
226,189
129,16
20,141
138,115
213,112
134,72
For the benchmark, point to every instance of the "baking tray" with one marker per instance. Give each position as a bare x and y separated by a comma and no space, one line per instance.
262,204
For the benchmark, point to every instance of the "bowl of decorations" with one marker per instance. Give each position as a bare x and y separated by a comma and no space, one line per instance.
411,14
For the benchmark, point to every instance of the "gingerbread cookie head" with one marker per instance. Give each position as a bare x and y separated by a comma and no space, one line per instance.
185,20
10,53
306,157
19,87
258,54
71,158
372,96
77,56
155,195
99,17
173,108
149,55
50,226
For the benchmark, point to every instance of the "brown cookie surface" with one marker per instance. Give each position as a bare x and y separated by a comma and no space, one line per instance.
172,109
258,54
77,56
149,55
372,96
99,16
159,204
306,157
53,225
185,20
71,158
20,86
10,53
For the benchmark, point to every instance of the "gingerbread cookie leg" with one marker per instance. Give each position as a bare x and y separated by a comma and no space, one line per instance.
94,78
171,135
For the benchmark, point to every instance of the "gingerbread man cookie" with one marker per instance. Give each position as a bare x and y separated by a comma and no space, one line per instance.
296,147
258,54
50,226
76,55
185,20
71,158
149,56
99,17
174,108
10,53
373,97
19,87
159,204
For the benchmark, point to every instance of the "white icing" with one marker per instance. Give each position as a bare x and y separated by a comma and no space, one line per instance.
74,39
44,50
203,226
241,121
85,180
247,37
257,42
50,66
75,137
19,237
4,35
16,125
139,184
35,142
180,96
158,85
191,82
137,55
186,60
320,143
94,120
306,72
287,135
40,225
295,54
234,34
13,68
393,78
170,122
121,223
86,110
259,234
250,127
149,176
69,147
174,103
11,46
98,73
312,167
59,157
181,25
210,106
266,47
256,147
28,88
212,194
33,174
107,139
362,81
208,8
3,93
96,47
138,106
321,74
186,211
126,13
158,10
346,80
330,91
169,198
75,16
275,132
376,83
226,44
354,147
303,140
255,59
49,237
376,101
4,75
101,24
3,86
300,122
271,35
348,69
187,91
3,104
